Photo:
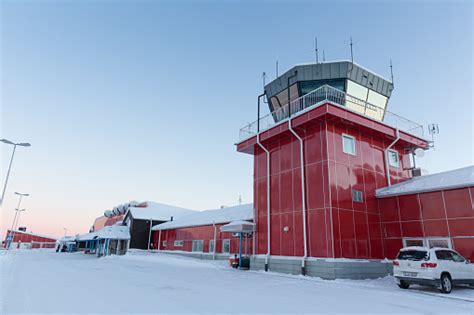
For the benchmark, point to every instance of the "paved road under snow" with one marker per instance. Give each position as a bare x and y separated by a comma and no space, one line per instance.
48,282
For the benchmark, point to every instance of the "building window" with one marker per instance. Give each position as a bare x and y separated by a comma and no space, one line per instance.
428,242
357,196
393,159
439,242
348,144
165,243
226,246
413,242
197,245
178,243
211,246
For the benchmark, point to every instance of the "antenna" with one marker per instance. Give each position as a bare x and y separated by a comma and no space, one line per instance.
264,75
240,200
433,129
276,68
352,54
391,70
324,56
316,49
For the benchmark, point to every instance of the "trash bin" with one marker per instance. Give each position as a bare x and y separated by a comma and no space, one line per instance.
234,261
245,263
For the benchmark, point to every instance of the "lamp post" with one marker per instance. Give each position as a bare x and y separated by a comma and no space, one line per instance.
12,232
15,217
21,144
65,231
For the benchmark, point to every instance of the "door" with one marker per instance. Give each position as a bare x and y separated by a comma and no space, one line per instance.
465,270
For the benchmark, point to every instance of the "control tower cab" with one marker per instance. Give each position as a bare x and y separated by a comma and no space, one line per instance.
342,82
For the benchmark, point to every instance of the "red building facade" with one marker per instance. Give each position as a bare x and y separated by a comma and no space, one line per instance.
30,240
442,217
337,225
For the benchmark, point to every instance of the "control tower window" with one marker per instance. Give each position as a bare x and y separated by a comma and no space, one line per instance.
309,86
365,101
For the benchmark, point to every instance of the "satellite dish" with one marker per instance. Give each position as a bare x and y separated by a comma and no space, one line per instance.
420,153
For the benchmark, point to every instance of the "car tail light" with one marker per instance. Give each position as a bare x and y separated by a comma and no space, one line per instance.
429,265
396,263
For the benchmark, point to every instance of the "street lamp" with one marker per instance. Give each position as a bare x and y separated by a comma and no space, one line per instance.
15,217
65,232
12,232
21,144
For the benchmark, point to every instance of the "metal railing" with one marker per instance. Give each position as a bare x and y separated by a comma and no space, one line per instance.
323,95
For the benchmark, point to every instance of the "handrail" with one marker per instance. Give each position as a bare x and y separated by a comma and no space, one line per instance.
322,95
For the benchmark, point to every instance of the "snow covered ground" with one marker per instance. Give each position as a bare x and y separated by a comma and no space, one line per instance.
43,281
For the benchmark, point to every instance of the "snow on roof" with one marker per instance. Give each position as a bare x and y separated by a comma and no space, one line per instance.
158,212
110,232
462,177
218,216
33,234
67,239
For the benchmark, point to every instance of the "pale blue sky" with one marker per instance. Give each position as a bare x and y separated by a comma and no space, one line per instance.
144,100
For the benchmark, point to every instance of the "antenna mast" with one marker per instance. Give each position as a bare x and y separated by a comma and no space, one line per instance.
276,66
316,49
391,70
352,54
324,56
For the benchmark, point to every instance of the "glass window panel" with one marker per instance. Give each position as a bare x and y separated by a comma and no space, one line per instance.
413,243
348,145
357,96
438,243
393,159
211,246
380,103
226,246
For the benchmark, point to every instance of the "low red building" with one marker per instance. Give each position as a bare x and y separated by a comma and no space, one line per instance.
200,233
29,240
433,210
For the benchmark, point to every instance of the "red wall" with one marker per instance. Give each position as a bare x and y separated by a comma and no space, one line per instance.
331,175
28,238
448,213
205,233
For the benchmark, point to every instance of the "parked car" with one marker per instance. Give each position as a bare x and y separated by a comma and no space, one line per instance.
438,267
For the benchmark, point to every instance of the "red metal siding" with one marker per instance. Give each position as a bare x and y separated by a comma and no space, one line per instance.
205,233
448,213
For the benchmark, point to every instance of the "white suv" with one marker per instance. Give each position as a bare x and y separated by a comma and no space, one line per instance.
439,267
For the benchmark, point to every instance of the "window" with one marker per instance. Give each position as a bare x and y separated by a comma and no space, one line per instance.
197,245
226,246
415,255
165,243
444,255
439,243
457,257
357,196
348,144
211,246
178,243
393,159
413,242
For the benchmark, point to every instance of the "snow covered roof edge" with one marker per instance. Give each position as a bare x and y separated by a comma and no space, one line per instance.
207,217
458,178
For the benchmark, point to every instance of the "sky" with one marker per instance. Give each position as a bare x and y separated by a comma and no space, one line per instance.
143,100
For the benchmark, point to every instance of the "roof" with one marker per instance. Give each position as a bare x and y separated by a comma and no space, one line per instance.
157,211
108,232
238,226
462,177
215,216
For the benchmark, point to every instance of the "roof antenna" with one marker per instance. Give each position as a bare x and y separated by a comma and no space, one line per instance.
391,71
433,129
264,76
316,48
324,56
352,54
276,68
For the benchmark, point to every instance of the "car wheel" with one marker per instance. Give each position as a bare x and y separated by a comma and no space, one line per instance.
403,285
446,284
